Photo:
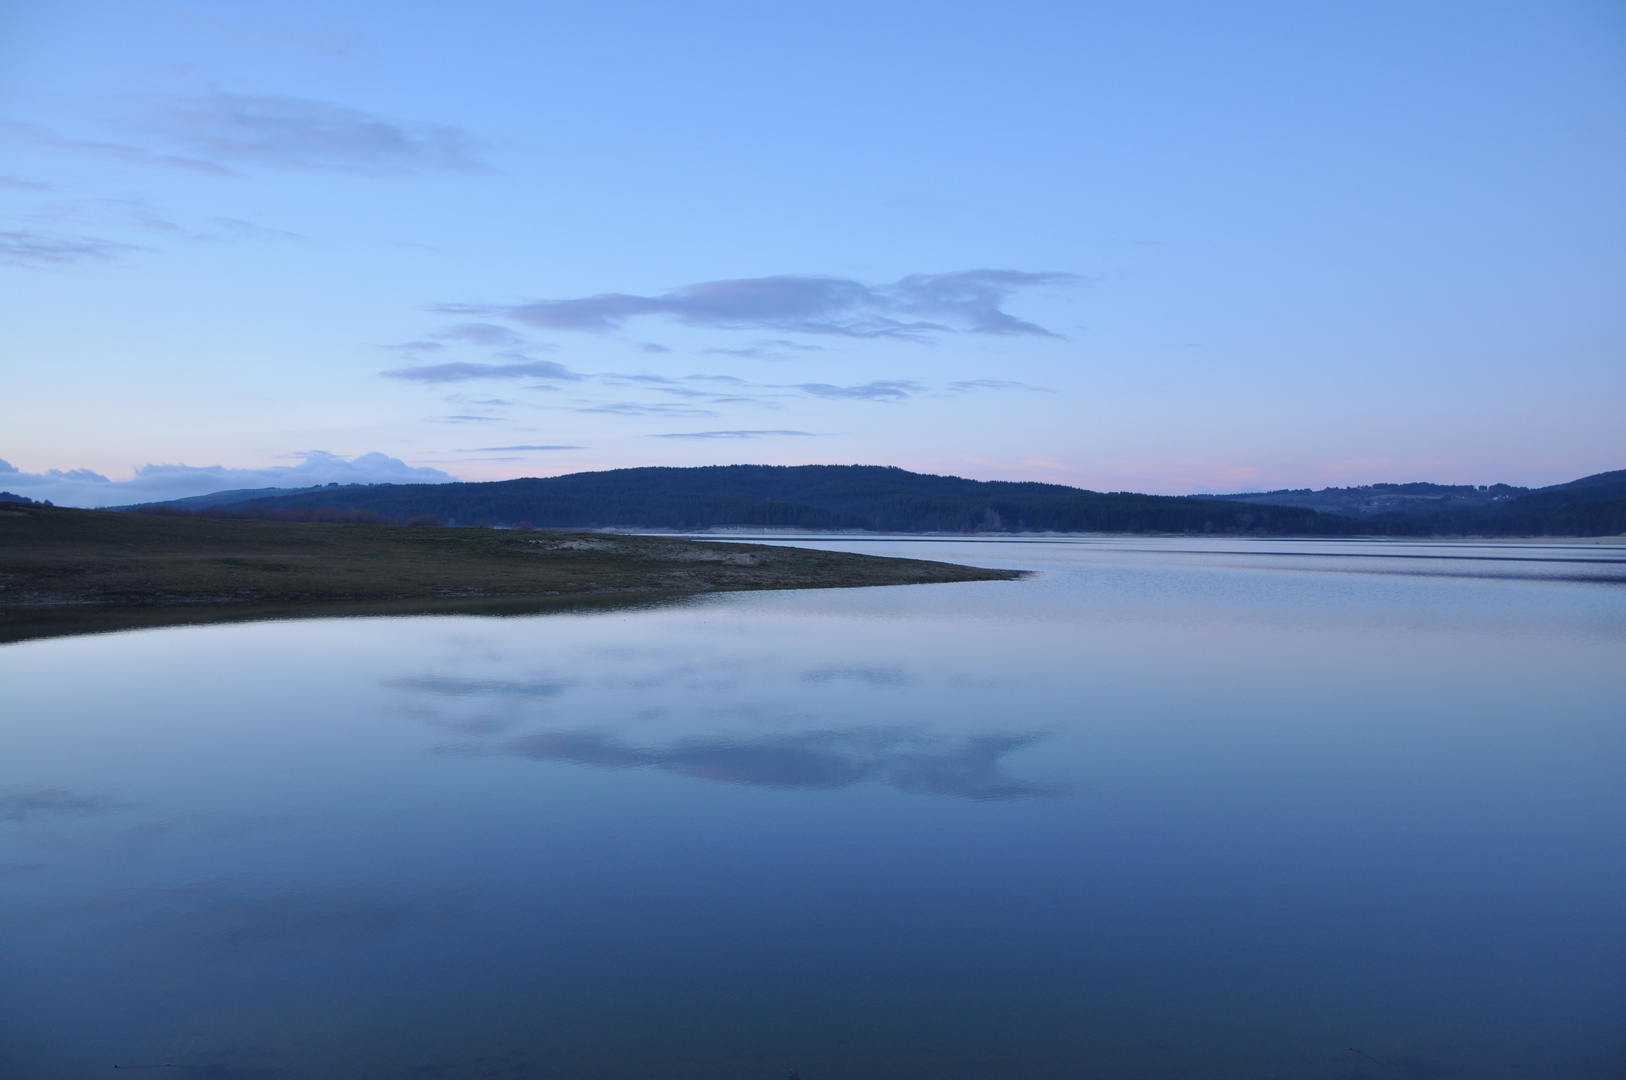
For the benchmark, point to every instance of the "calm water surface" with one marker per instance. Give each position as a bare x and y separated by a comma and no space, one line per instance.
1165,809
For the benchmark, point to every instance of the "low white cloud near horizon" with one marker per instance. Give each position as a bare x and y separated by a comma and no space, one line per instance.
157,483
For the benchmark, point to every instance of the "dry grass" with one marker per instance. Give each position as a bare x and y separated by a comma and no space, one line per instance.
63,571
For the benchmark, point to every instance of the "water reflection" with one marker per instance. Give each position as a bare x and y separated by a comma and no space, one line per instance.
500,688
1307,808
1399,1065
22,805
869,676
9,868
909,762
213,924
812,755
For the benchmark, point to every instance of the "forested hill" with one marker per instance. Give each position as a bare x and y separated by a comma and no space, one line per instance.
1591,506
883,499
866,497
1370,500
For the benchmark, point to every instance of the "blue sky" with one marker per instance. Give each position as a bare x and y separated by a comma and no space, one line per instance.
1160,247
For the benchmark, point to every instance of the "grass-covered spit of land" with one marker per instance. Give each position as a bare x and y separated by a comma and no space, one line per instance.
68,571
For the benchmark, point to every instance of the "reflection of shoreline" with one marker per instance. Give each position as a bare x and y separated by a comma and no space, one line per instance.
812,760
69,622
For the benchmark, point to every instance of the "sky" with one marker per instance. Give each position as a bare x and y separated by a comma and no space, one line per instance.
1163,247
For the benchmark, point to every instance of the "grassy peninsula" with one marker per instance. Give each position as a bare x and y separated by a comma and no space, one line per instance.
71,571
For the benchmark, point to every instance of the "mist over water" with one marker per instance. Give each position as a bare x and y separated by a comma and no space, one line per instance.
1165,808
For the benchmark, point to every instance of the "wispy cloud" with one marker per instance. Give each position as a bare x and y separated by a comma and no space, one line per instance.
509,449
765,350
662,384
884,390
133,155
918,307
142,215
221,132
226,228
971,385
482,334
640,408
743,434
40,249
461,371
751,353
18,183
510,350
225,128
613,378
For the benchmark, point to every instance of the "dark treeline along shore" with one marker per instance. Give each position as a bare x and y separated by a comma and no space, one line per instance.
892,500
1591,506
71,571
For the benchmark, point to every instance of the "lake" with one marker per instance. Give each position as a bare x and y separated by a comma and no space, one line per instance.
1166,808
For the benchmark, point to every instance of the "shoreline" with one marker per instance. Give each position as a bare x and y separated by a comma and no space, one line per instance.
66,571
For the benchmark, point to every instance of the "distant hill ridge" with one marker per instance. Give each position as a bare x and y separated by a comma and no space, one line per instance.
1591,506
1369,500
888,499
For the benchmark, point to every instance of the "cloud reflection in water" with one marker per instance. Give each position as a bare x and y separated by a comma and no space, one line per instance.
21,805
282,926
869,676
969,769
507,688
